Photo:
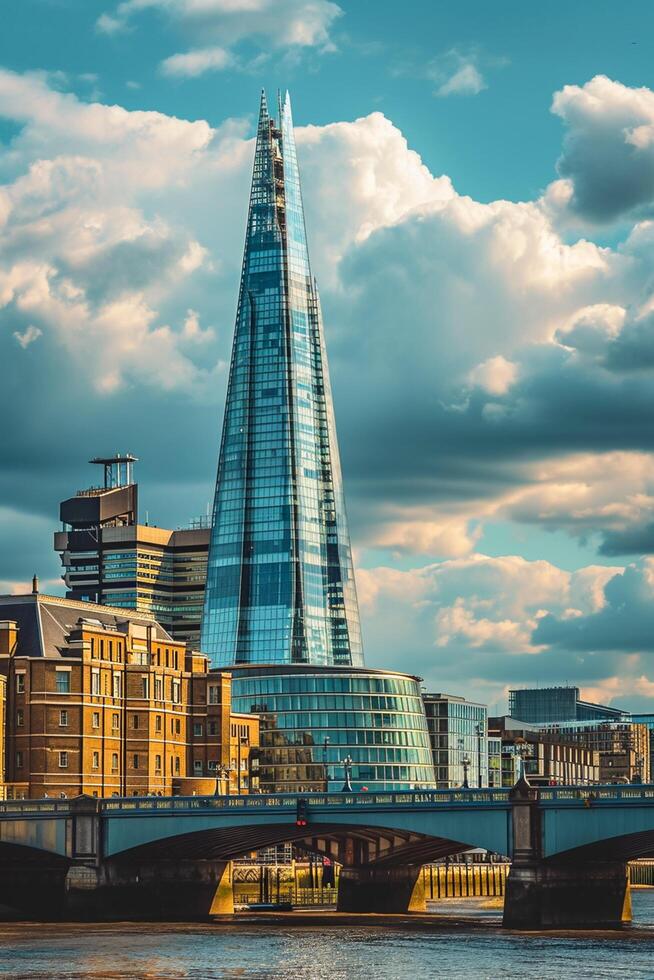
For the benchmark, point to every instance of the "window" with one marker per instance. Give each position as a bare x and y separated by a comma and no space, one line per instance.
20,683
114,763
63,760
197,767
95,681
62,681
62,796
157,723
197,728
95,719
158,689
145,684
178,726
157,763
96,760
135,721
116,683
177,766
176,692
213,694
115,721
63,719
213,728
19,760
20,718
136,761
101,649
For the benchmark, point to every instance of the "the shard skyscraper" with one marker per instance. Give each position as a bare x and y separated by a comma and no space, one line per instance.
280,585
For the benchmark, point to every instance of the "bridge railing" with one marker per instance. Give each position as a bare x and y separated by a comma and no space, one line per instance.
549,796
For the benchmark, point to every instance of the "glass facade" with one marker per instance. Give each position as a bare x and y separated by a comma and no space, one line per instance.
549,704
280,584
312,719
458,730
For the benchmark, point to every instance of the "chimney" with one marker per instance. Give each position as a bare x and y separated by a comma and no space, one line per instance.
35,585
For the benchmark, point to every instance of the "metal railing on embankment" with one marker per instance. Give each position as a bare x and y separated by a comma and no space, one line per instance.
292,884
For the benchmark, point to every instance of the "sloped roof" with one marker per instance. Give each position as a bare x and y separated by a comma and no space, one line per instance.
45,622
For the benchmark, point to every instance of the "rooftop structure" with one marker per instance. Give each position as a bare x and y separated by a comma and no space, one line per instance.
549,704
109,557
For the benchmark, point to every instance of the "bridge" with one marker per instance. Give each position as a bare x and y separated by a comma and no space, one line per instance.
169,858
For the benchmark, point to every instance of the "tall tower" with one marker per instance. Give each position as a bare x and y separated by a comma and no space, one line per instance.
280,583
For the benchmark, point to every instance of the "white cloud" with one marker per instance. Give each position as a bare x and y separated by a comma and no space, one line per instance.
28,336
496,375
197,62
466,80
280,23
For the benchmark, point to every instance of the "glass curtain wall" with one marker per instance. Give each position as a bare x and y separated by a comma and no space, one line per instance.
280,584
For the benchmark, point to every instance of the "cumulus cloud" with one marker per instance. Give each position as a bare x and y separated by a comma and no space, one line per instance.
280,24
485,367
608,152
475,623
197,62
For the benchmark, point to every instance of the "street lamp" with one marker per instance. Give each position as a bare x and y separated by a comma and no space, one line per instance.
325,742
479,731
222,772
466,763
347,764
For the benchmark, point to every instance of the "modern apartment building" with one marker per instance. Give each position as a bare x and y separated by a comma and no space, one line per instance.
110,558
458,732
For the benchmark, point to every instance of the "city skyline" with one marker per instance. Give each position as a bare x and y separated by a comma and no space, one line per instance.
479,212
280,584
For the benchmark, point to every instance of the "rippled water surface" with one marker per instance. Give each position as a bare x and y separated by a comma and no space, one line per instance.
475,950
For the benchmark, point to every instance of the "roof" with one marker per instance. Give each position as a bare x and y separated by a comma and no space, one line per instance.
45,622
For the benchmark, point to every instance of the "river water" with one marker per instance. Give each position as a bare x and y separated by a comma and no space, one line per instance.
473,947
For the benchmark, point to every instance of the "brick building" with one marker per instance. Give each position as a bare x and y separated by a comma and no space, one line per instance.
101,700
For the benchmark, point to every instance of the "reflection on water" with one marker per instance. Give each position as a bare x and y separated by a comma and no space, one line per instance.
273,952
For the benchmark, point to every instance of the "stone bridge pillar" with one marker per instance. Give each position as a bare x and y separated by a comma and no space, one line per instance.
86,886
365,887
546,894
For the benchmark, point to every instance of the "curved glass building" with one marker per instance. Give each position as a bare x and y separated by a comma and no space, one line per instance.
312,718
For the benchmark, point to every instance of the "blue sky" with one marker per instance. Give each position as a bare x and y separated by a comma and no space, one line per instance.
479,187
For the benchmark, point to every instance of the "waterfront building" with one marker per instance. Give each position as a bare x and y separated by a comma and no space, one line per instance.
104,702
458,732
646,719
280,583
550,758
280,610
314,718
494,760
541,705
623,746
110,558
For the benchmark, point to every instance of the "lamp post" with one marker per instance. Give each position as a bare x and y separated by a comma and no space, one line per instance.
222,772
325,743
347,763
466,764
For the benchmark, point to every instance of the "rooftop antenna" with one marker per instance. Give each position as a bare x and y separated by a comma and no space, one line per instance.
118,469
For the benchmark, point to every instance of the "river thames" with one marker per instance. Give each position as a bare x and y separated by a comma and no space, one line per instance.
476,949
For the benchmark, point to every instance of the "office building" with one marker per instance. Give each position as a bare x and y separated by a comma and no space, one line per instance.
550,758
458,732
623,746
314,718
104,702
542,705
280,584
280,611
110,558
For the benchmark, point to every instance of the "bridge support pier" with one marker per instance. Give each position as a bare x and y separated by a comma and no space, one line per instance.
568,896
147,891
367,888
